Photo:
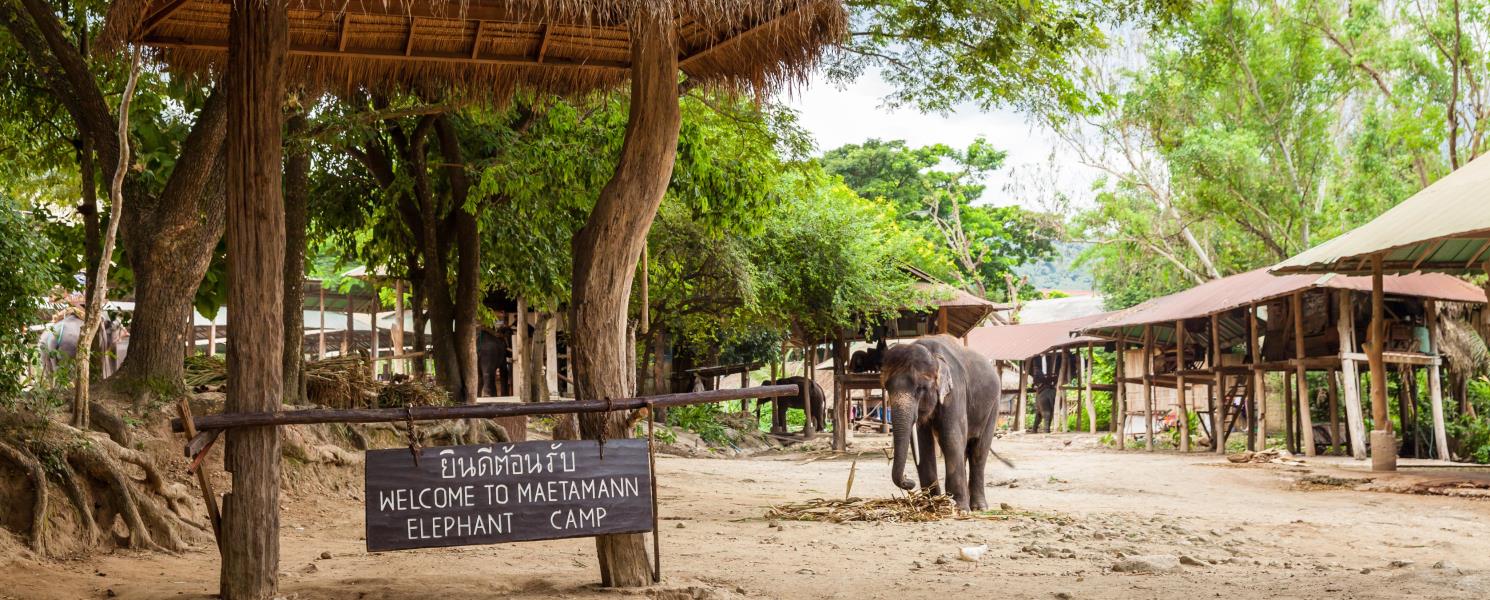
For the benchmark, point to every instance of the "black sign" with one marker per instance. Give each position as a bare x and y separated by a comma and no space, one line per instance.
489,494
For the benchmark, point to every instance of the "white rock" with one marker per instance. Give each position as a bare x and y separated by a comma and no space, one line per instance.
972,553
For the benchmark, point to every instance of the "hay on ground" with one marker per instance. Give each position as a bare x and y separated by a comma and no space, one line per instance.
919,506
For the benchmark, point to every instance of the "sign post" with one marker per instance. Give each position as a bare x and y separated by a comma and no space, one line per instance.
497,493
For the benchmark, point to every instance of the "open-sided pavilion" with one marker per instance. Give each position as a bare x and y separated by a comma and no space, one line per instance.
1047,349
1227,334
1443,228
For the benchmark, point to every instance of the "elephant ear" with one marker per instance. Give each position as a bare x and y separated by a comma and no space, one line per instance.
943,379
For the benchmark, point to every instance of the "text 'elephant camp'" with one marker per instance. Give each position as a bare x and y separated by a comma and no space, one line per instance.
490,494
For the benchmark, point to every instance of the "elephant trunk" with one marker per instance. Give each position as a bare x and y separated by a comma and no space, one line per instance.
903,418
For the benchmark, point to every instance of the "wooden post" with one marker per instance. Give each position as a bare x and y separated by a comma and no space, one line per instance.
398,325
550,356
840,402
1086,380
1289,438
1120,396
1058,411
1021,406
1435,385
258,42
1333,392
212,338
1350,375
1257,396
941,320
1218,399
1383,443
1301,378
350,329
1148,387
1180,391
520,351
321,335
809,356
374,329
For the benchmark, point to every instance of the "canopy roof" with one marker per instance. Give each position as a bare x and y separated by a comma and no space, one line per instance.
493,46
964,311
1021,342
1445,227
1258,286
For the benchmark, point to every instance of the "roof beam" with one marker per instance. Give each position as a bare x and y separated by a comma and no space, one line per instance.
543,45
341,38
683,64
476,43
159,16
394,56
1476,258
1429,252
468,10
409,44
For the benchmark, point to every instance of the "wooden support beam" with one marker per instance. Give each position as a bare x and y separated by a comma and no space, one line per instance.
321,335
1148,387
1022,403
476,44
1086,379
1355,422
1429,253
1058,410
1435,385
1383,442
699,54
1219,401
1301,379
158,16
1333,397
1481,252
1120,397
341,35
409,42
1179,386
456,58
1257,393
543,44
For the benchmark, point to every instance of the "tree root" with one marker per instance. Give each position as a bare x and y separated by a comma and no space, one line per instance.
38,477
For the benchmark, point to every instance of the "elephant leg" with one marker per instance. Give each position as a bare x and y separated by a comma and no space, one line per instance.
926,459
977,460
954,451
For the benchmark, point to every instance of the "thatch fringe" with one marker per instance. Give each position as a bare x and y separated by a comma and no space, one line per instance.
745,45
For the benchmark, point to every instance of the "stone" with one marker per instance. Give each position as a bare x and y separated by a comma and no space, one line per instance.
1400,564
325,556
1150,563
1187,560
1062,596
681,525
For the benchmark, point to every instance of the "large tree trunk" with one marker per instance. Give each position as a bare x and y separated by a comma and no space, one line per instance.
170,240
607,249
258,35
468,260
297,196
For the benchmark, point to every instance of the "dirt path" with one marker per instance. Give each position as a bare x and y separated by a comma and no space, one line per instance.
1250,531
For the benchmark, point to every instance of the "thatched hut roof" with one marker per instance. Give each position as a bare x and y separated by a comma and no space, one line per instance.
493,47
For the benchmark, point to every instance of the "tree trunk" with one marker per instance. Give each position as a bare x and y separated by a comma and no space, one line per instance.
468,261
297,195
607,249
169,241
258,35
436,273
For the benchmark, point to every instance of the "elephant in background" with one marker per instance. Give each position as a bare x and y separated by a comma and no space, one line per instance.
781,404
1044,403
948,395
868,361
59,341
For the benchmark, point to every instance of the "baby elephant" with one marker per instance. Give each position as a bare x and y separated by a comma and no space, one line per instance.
782,403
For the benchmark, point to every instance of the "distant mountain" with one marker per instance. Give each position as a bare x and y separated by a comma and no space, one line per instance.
1059,272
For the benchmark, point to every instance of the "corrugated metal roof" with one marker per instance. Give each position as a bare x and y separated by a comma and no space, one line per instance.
1444,227
1019,342
1257,286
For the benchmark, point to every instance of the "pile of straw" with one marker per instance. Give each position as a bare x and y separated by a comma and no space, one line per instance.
919,506
412,392
205,373
341,382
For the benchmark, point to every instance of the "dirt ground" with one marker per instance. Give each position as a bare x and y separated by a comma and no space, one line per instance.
1075,511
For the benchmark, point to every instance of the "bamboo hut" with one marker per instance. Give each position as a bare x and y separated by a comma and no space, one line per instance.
487,49
1223,337
1443,228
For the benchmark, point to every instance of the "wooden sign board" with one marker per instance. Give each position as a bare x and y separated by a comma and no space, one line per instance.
496,493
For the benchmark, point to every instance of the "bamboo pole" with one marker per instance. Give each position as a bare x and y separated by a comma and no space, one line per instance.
1062,380
321,335
1301,378
1333,396
1120,398
1383,443
346,334
1023,390
1257,395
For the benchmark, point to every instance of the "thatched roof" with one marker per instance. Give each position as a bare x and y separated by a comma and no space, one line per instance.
494,47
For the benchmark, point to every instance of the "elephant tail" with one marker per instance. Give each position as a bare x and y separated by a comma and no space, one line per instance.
1002,459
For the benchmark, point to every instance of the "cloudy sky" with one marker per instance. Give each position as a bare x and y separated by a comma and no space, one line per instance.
838,116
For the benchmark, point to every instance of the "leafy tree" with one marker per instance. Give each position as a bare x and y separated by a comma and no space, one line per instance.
974,244
21,291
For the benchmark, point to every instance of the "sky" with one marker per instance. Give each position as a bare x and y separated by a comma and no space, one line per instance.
845,115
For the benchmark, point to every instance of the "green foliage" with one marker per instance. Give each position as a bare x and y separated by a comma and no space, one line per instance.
21,290
965,241
702,419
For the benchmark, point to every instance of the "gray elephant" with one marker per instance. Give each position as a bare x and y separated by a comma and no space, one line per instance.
949,395
783,403
1044,404
59,341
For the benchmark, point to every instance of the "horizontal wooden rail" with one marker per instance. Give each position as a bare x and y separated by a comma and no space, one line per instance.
473,411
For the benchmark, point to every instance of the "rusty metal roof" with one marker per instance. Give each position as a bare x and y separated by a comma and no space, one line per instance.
1020,342
1254,287
1445,227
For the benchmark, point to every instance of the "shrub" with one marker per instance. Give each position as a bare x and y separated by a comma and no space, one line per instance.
30,273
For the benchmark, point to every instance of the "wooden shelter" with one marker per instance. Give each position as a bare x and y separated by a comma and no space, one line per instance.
488,49
1226,335
1045,350
1443,228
